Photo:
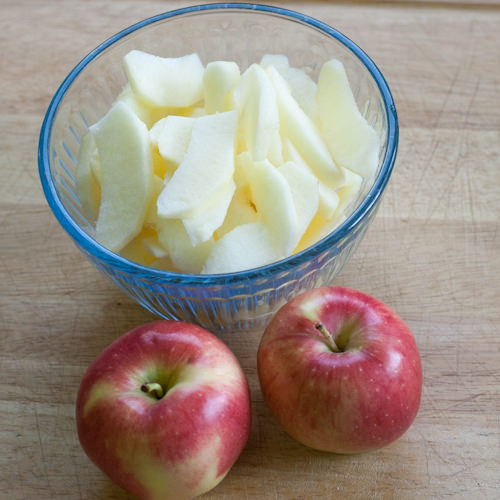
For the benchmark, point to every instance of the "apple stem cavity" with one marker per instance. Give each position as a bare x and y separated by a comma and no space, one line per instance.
330,341
153,388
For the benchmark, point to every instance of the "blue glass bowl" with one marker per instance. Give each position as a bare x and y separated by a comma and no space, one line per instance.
229,31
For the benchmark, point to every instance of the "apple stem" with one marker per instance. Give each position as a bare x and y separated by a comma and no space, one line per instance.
328,337
153,388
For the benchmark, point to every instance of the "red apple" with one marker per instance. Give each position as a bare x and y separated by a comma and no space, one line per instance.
340,371
164,411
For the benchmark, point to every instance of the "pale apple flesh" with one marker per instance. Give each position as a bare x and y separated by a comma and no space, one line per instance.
164,411
180,133
356,391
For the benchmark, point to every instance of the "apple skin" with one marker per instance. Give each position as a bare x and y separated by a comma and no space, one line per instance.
343,402
176,447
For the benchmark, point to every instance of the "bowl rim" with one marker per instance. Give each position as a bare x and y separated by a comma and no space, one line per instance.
91,246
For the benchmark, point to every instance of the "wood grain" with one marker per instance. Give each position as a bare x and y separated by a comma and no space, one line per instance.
432,254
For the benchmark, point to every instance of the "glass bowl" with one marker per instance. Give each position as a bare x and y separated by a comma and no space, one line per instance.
227,31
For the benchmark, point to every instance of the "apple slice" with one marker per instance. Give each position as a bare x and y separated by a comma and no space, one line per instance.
303,89
275,153
202,227
318,229
219,79
274,202
87,187
207,166
296,125
259,112
302,86
328,199
172,135
165,82
127,168
304,186
157,185
141,111
173,237
149,115
348,193
240,211
350,139
245,247
279,61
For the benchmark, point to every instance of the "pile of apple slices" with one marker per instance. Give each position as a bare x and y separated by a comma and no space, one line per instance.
209,170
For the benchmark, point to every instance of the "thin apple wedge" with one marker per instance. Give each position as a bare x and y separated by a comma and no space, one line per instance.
172,135
142,111
300,129
328,198
245,247
302,86
149,115
303,90
279,61
127,168
157,184
274,202
348,193
317,230
219,79
240,211
87,186
165,81
304,186
185,256
275,153
258,112
207,166
350,139
202,227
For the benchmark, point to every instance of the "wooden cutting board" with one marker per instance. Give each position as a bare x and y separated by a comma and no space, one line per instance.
432,254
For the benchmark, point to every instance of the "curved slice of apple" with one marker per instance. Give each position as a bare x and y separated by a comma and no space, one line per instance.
318,229
128,97
273,199
185,256
165,81
240,211
202,227
350,139
172,135
302,86
300,129
304,186
255,100
245,247
207,166
127,168
328,199
156,188
349,191
219,79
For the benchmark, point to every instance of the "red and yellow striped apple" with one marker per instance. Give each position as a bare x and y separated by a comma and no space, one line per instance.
164,411
340,371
